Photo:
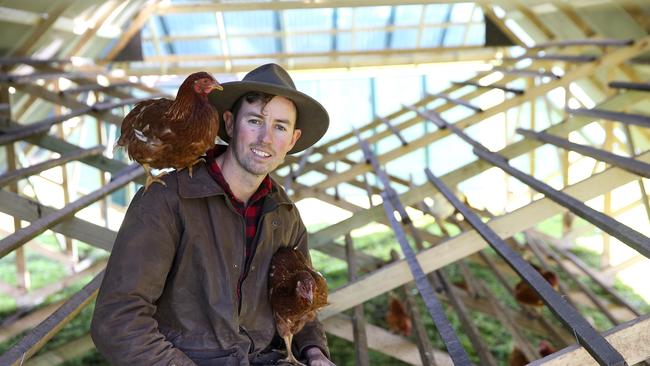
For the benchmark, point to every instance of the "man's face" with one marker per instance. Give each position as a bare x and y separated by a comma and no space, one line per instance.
262,134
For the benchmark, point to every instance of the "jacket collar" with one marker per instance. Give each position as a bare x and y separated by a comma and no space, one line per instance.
203,185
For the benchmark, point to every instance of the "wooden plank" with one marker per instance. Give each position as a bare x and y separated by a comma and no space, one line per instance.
629,164
67,102
629,85
465,244
602,42
42,28
405,294
630,339
166,8
10,329
492,86
465,317
556,57
37,227
37,337
527,72
105,106
394,130
94,87
37,168
628,118
39,127
11,61
73,349
458,101
383,341
88,35
134,27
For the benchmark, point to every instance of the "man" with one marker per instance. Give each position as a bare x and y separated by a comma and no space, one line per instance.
186,283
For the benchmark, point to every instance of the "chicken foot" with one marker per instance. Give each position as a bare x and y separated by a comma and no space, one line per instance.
290,358
189,167
151,179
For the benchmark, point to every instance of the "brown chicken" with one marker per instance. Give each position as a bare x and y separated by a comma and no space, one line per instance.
397,317
517,357
524,293
163,133
545,348
296,293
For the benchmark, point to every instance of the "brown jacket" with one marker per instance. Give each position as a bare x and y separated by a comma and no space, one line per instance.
169,293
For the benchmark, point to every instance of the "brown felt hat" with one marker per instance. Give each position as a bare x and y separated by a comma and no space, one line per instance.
312,118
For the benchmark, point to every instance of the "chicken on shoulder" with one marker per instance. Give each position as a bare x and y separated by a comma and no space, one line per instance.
163,133
296,293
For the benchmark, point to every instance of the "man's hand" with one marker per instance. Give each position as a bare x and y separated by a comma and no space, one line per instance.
315,357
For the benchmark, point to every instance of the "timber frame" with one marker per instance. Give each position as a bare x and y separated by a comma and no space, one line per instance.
618,162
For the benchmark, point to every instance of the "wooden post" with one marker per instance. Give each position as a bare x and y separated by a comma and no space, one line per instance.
70,247
22,274
605,258
421,337
358,322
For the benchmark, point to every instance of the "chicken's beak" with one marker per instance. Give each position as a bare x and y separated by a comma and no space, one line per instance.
216,86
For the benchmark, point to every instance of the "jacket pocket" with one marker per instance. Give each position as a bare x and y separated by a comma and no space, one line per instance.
213,358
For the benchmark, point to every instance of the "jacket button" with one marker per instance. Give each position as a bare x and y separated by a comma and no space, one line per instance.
252,268
234,265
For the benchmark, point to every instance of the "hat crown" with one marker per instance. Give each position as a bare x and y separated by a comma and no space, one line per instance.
270,74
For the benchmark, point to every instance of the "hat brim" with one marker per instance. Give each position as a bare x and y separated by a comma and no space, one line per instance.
312,118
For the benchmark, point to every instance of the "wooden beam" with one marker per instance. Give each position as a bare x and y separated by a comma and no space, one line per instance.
602,42
134,27
84,39
462,245
482,50
37,227
73,349
383,341
166,8
47,21
630,339
28,321
37,337
55,98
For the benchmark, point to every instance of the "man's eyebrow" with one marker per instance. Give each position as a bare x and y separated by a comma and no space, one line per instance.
255,114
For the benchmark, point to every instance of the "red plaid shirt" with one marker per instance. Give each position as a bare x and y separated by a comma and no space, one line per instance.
251,211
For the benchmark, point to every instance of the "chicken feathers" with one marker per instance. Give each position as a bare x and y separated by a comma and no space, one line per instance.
163,133
296,293
397,317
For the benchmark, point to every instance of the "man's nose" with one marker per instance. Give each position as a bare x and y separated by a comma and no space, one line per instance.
266,135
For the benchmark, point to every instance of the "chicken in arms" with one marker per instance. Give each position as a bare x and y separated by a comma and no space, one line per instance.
163,133
296,293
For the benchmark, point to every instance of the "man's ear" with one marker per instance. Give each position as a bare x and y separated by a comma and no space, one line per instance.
229,122
295,137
